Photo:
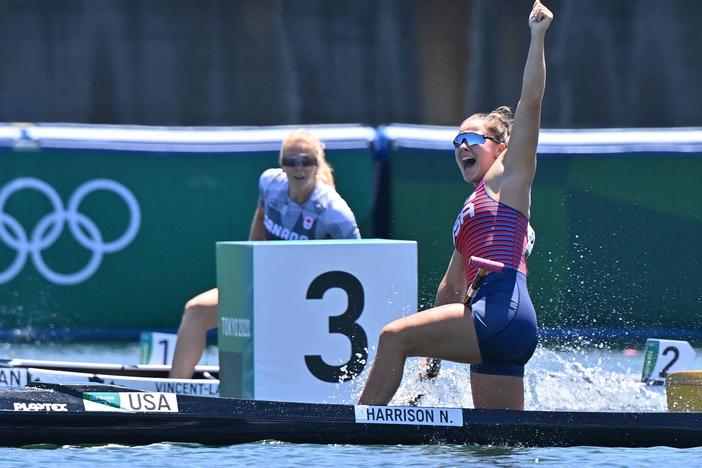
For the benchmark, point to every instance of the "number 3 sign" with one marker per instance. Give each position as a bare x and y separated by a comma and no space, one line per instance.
299,320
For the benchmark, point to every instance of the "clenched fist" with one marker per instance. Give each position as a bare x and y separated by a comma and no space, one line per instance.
540,18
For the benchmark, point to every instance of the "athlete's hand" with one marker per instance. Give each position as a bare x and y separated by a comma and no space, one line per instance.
540,18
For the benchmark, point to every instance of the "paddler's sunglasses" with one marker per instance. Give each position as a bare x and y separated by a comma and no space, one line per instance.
472,138
299,161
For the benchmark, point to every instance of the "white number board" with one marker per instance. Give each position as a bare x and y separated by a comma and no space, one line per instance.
661,357
307,320
157,348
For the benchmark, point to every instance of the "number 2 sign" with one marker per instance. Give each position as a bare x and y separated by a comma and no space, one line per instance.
299,320
661,357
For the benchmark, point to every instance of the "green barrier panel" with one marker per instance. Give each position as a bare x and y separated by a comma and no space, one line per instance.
618,215
111,229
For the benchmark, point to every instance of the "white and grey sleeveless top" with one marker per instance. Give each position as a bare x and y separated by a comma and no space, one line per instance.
324,216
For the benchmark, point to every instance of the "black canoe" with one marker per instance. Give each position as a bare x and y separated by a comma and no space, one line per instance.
100,414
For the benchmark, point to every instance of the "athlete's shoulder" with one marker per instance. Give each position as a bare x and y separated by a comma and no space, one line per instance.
337,218
274,174
329,198
272,181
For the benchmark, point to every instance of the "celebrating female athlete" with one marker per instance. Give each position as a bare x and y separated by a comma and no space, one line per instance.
496,331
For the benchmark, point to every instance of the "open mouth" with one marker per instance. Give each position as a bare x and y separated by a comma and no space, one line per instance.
468,161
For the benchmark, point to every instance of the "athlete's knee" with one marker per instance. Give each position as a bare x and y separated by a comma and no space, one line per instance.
203,302
197,304
199,312
191,306
393,336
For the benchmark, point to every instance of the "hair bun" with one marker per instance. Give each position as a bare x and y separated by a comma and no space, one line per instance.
505,112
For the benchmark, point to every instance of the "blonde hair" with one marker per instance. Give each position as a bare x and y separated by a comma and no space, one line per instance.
499,122
324,170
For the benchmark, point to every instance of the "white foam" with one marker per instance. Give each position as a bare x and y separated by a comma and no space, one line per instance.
575,379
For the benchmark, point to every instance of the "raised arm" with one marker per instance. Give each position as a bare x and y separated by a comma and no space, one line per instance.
520,158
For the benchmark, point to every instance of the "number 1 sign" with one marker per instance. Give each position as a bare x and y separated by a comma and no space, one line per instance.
299,320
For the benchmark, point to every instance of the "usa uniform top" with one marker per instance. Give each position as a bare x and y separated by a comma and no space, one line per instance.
502,311
490,229
324,216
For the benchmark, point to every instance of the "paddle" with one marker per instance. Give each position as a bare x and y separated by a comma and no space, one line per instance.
433,366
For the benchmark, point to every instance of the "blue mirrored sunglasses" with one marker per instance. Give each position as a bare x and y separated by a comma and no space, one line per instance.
471,138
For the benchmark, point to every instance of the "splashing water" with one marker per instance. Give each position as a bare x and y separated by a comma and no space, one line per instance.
568,379
589,380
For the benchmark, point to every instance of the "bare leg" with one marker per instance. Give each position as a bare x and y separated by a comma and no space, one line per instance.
200,315
497,391
445,332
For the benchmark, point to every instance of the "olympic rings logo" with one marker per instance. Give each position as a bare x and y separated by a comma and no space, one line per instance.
50,227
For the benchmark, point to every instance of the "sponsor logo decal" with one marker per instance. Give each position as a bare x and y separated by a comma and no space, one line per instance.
149,402
415,416
40,406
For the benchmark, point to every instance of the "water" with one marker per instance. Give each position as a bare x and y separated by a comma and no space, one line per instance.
590,377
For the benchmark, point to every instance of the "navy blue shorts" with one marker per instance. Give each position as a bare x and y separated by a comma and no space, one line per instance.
505,322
